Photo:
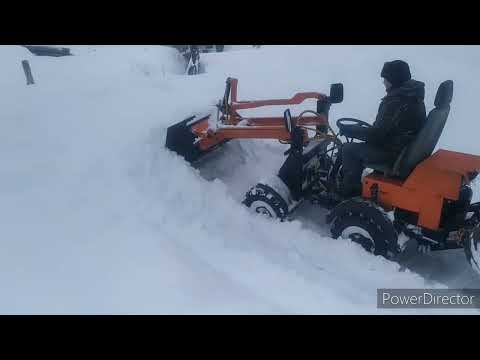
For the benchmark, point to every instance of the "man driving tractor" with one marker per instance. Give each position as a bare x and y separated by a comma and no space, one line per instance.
401,115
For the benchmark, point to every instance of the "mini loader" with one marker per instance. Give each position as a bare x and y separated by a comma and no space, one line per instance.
423,195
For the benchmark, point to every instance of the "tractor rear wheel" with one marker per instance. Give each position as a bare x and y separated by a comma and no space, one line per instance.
472,249
365,224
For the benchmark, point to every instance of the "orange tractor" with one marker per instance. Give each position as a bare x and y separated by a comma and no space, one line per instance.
420,196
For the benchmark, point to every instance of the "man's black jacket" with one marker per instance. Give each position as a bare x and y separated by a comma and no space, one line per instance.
400,117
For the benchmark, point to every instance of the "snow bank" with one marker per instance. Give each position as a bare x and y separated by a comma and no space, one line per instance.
97,217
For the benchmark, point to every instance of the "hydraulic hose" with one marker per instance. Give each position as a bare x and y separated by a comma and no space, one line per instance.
337,140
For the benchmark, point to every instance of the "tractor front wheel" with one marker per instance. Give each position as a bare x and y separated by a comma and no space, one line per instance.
263,199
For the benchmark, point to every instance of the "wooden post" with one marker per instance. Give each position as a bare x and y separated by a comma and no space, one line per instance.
28,72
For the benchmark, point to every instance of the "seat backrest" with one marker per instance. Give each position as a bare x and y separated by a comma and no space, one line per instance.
426,140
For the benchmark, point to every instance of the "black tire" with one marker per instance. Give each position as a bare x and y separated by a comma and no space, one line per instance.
219,48
472,249
366,224
262,199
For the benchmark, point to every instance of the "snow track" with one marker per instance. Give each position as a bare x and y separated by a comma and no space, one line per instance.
97,217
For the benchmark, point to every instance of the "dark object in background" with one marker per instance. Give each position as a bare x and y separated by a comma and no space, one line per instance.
41,50
28,72
201,48
191,54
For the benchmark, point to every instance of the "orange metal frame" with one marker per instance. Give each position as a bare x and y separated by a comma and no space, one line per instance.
436,179
236,127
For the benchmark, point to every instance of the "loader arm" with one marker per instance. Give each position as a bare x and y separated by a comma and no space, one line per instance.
198,136
298,98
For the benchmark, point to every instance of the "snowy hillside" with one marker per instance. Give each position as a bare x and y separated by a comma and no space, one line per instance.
97,217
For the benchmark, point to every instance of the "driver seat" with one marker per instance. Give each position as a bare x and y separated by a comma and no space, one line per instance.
426,140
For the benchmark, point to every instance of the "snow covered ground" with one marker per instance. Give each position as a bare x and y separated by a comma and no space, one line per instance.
97,217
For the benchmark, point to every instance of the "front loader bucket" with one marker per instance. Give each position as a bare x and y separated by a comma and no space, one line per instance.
182,140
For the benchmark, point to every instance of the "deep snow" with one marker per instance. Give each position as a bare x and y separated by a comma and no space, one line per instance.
97,217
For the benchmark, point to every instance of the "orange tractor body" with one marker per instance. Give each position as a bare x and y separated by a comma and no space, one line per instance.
434,181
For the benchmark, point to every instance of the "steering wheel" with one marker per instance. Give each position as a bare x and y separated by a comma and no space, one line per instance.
349,122
342,121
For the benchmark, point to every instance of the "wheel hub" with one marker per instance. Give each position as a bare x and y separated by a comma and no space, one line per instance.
359,236
263,210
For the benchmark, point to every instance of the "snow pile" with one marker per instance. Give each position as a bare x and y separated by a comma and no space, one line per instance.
97,217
